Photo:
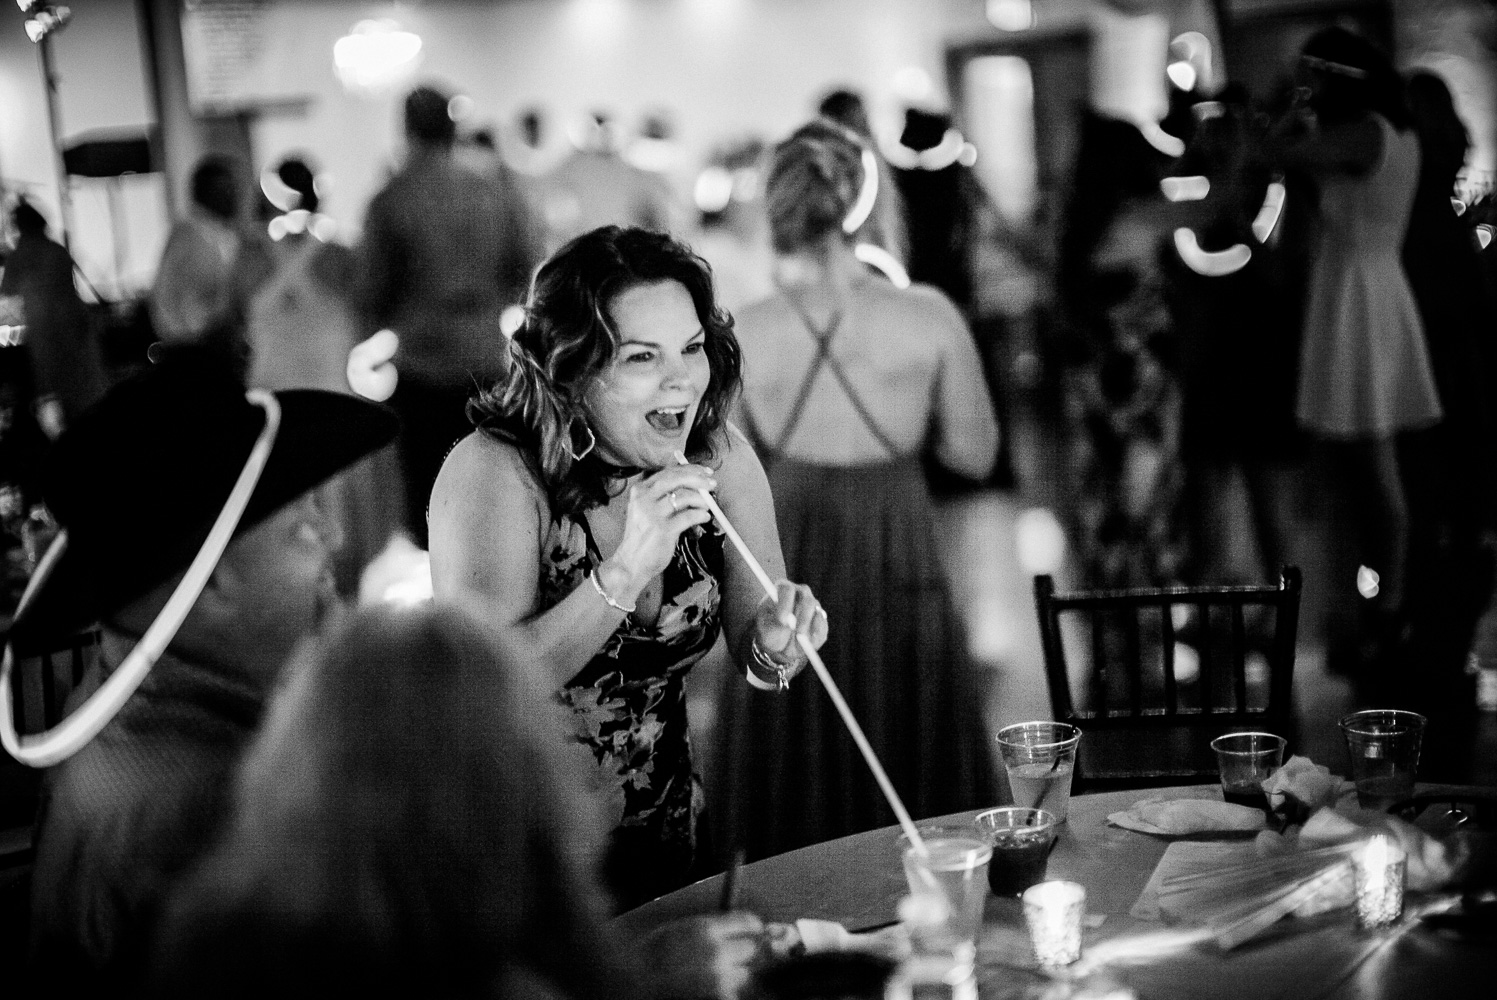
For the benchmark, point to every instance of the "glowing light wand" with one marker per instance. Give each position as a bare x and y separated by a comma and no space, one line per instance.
830,685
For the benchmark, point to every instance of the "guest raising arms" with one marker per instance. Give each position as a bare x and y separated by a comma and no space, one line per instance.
567,516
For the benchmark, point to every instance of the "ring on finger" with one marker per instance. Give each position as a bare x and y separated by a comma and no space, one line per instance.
671,496
822,612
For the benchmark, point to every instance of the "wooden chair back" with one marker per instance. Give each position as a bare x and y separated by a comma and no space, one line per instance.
1146,719
41,682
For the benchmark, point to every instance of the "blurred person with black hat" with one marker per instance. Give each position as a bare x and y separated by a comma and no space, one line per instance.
193,536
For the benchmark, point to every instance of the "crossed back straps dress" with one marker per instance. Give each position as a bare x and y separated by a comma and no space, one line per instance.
862,537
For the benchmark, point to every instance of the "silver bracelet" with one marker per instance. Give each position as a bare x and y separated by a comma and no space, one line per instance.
607,598
759,656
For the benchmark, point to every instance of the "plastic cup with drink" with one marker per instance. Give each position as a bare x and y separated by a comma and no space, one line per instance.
1040,758
1384,747
955,867
1022,839
1244,761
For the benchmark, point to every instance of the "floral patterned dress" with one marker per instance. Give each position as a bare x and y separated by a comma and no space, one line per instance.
628,708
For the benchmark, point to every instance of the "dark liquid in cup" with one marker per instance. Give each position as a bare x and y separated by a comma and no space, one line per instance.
1016,867
1254,798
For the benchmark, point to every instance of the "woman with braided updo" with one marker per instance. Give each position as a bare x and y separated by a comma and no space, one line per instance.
846,379
567,518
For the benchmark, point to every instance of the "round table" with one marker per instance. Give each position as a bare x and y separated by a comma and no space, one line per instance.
858,881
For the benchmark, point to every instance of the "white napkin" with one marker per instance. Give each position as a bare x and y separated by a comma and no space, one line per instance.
818,936
1186,857
1301,786
1179,817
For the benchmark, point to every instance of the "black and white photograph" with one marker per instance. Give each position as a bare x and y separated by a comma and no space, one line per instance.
749,499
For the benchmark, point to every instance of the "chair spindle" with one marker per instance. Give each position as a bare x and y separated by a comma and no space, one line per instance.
1239,658
1167,645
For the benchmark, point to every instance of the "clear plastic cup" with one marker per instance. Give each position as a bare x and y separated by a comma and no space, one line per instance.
955,866
1384,747
1040,758
1021,839
1244,761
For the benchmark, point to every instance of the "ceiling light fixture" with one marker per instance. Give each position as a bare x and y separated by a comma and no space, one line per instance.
376,55
1011,15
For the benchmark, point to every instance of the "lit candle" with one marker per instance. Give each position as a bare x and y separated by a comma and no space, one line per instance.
1377,877
1053,911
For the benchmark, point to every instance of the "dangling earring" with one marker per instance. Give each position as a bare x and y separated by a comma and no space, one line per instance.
592,442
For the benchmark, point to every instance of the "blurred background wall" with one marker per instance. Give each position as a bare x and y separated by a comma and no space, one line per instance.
257,77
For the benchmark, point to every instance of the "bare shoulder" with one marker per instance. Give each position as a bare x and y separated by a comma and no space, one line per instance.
484,473
756,318
932,302
734,459
897,311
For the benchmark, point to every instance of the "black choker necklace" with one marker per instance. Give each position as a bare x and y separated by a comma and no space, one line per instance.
612,472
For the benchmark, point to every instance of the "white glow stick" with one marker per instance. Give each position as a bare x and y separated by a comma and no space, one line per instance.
1193,188
832,691
1210,263
1268,215
867,194
885,261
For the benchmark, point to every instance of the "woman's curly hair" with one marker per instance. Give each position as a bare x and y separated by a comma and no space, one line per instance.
569,340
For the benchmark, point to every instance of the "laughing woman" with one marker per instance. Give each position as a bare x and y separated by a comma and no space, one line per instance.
568,519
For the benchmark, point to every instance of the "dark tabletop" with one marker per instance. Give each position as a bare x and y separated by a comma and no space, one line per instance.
858,881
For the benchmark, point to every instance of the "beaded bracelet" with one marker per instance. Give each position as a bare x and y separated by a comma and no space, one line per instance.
607,597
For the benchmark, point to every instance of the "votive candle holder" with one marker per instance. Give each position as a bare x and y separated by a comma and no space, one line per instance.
1053,911
1378,870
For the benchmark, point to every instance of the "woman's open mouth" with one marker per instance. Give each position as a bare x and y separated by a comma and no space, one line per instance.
667,420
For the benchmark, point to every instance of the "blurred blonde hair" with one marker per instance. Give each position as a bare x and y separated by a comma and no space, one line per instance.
814,180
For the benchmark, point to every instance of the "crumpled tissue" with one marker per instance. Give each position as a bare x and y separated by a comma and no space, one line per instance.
1301,786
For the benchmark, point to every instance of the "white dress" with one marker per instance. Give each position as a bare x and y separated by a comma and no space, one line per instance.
1364,365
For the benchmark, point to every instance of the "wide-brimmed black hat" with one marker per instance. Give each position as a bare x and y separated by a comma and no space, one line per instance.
138,481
